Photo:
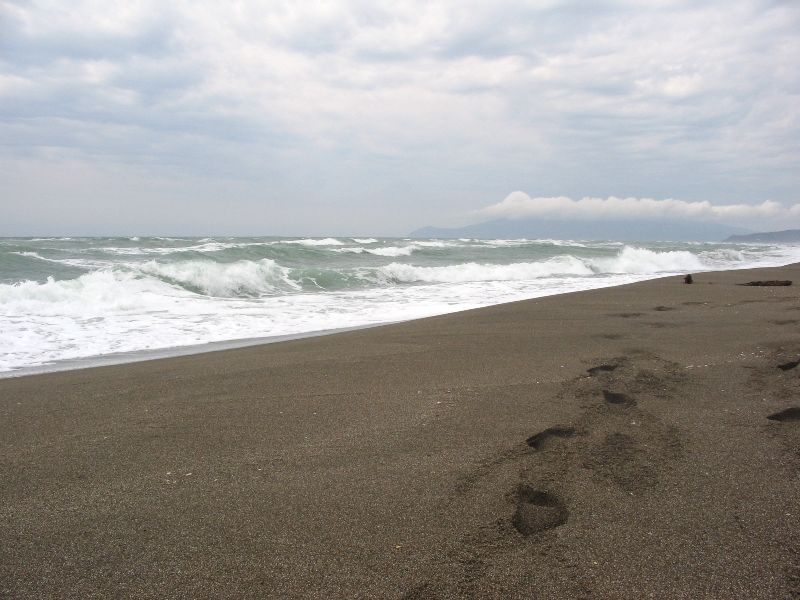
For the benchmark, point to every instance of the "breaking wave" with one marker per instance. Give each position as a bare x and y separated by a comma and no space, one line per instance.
643,261
315,242
240,278
462,273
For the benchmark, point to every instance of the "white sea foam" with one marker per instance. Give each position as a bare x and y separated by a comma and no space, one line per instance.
387,251
437,244
136,250
471,271
392,250
70,262
349,250
98,292
365,240
503,243
643,261
315,242
111,311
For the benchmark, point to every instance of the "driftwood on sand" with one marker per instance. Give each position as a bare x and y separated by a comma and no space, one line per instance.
770,282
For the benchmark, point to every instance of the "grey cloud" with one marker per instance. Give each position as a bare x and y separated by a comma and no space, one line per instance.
433,108
34,50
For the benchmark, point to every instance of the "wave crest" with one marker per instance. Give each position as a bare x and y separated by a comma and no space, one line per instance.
463,273
236,279
641,261
314,242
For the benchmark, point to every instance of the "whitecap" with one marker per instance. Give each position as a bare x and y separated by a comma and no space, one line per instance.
240,278
315,242
636,260
470,272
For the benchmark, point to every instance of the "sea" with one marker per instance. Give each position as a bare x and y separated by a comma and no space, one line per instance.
75,302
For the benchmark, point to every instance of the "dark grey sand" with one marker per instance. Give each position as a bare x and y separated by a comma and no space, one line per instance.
463,456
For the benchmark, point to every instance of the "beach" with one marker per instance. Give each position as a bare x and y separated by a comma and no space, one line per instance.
612,443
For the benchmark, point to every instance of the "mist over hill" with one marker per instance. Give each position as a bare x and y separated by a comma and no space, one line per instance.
651,230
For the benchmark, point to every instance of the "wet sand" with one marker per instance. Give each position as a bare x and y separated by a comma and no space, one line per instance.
614,443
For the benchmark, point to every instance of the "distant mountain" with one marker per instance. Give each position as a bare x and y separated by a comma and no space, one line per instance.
789,236
643,231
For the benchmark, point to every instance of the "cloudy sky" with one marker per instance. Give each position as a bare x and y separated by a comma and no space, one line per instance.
315,118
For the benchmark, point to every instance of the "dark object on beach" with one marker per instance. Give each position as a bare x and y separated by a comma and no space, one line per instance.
688,279
789,365
601,369
770,282
789,414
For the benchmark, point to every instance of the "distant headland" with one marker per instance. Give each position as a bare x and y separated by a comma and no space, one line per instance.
788,236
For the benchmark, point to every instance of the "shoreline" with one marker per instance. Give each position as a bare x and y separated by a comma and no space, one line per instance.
51,339
133,356
620,442
124,358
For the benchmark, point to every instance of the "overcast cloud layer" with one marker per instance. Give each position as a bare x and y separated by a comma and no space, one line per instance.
343,117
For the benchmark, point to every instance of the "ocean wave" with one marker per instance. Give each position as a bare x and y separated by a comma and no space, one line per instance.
70,262
630,260
503,243
140,250
314,242
469,272
392,251
119,288
98,292
642,261
242,278
128,303
365,240
348,250
437,244
79,263
725,255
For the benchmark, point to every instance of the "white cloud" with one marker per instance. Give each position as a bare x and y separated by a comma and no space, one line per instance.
519,205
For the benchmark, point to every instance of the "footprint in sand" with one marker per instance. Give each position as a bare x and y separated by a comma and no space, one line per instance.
538,441
789,414
789,365
537,511
618,398
609,336
601,369
622,459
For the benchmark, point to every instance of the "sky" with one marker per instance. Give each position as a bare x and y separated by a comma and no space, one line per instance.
364,118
